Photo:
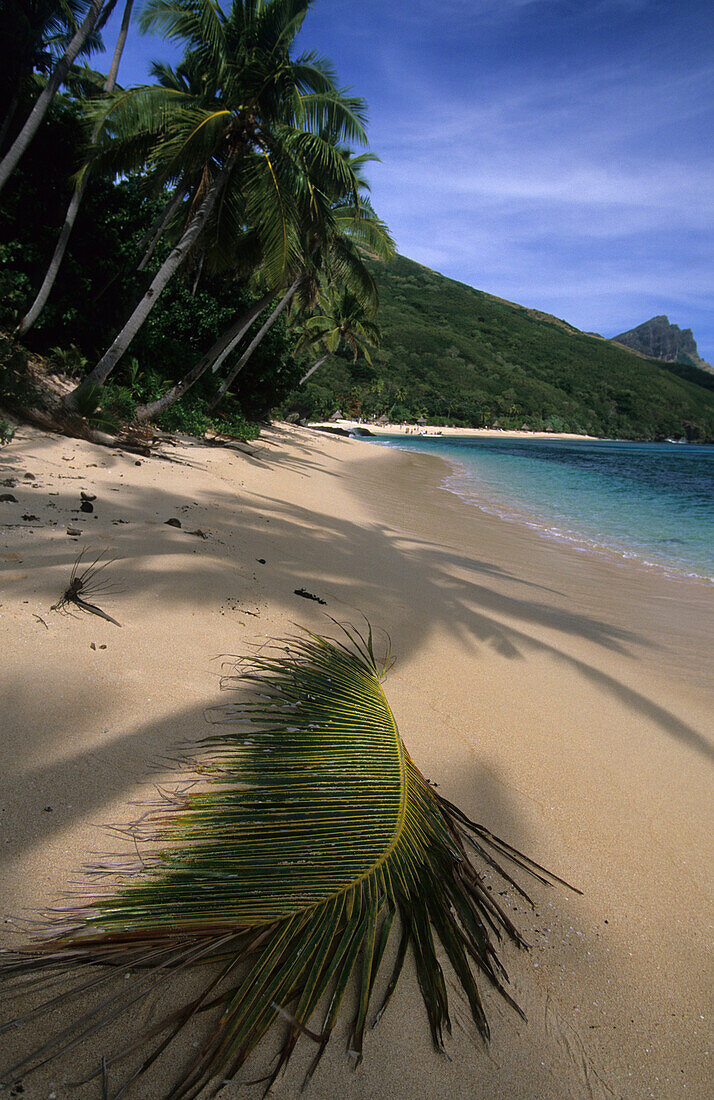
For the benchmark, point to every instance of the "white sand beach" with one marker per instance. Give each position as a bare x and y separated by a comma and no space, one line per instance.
564,702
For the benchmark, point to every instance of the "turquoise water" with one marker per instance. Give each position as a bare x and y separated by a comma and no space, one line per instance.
649,501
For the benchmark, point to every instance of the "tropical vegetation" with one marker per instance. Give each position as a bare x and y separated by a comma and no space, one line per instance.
341,320
48,36
455,355
235,175
207,245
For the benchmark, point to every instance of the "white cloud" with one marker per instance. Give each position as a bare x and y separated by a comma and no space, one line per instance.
589,195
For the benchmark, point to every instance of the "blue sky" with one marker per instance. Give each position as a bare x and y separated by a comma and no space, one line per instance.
557,153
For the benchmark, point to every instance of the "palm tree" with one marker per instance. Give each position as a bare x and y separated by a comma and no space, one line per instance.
33,36
304,286
346,221
311,838
348,229
57,76
340,319
340,222
215,355
77,195
234,142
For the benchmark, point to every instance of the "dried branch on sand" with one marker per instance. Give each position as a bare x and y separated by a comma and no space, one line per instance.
84,587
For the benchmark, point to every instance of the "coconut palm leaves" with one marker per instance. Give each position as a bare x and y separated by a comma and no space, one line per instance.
91,15
278,880
247,122
340,319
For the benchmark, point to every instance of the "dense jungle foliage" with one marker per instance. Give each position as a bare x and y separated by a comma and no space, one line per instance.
98,281
184,221
456,355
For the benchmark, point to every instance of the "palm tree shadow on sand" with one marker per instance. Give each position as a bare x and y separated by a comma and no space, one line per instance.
257,868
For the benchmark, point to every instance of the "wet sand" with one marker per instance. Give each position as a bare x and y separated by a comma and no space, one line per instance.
564,701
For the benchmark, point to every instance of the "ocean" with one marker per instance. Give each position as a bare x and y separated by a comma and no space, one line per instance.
653,502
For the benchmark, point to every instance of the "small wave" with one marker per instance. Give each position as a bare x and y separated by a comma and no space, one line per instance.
602,547
643,503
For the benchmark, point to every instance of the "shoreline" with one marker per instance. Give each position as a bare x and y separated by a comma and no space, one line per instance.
529,515
565,703
431,430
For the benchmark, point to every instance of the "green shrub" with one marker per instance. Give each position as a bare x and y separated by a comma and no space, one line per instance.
234,423
190,416
16,386
187,416
69,360
120,402
91,404
6,432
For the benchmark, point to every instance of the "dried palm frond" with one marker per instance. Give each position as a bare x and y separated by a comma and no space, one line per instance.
309,835
85,587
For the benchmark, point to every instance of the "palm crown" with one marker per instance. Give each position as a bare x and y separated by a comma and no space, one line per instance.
239,103
249,138
342,318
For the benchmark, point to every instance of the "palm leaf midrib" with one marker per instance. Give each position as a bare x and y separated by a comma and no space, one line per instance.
330,831
300,874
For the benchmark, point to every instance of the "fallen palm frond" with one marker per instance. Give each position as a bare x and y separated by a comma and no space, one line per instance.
86,586
309,835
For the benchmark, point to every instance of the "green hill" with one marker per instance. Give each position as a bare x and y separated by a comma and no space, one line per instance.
458,355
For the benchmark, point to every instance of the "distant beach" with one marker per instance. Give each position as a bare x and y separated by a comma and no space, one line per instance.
387,428
563,701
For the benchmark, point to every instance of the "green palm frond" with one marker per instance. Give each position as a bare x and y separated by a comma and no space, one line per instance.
361,225
281,21
310,836
347,267
231,245
322,163
132,125
267,187
344,116
196,24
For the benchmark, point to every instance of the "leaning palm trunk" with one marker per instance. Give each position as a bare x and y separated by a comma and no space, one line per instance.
156,231
14,102
279,880
223,346
170,266
312,370
229,380
21,143
77,195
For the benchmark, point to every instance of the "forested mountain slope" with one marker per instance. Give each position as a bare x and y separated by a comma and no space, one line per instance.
455,354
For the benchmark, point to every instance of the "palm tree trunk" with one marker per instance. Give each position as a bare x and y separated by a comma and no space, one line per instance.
171,264
224,344
9,117
52,271
312,370
159,225
119,47
78,194
153,234
228,382
258,308
11,160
